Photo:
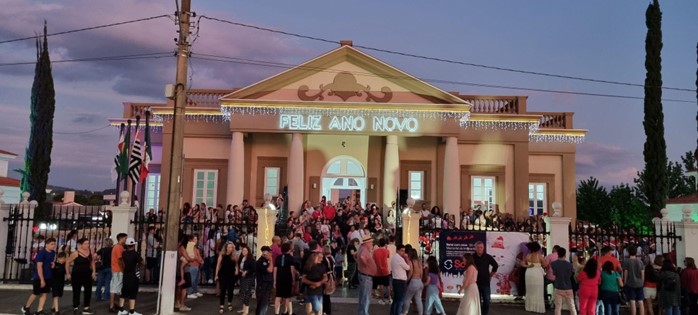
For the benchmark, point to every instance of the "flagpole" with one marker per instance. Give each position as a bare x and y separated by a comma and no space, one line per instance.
118,168
144,153
132,183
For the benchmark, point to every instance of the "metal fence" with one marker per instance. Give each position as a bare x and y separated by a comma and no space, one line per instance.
211,235
27,233
589,239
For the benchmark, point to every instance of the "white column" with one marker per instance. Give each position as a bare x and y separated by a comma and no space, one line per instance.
451,185
559,228
295,174
236,169
688,230
4,226
122,216
391,173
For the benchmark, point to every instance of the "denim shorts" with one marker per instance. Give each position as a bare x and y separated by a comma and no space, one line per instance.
315,301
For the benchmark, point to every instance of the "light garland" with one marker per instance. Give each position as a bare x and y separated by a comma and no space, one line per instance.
154,127
228,111
198,117
560,138
498,125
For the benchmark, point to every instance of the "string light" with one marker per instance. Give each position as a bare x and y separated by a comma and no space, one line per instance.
501,125
228,111
558,138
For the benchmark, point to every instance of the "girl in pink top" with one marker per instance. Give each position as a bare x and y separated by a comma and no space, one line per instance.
589,280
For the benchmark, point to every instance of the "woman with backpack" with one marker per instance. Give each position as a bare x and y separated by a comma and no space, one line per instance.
669,289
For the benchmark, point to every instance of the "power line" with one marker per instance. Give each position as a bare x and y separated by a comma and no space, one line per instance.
530,89
105,58
81,132
88,28
463,63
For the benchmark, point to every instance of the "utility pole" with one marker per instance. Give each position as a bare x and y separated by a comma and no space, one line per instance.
168,285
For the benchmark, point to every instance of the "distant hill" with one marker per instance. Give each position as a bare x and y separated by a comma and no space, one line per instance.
59,190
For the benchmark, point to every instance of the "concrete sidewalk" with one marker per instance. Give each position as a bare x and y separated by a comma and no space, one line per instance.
344,301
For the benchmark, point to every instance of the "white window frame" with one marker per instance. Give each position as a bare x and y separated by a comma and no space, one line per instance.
209,200
533,196
486,204
416,193
268,187
152,192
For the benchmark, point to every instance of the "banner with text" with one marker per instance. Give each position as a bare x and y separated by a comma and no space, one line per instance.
503,246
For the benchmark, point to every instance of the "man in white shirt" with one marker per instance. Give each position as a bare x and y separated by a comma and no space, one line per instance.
399,268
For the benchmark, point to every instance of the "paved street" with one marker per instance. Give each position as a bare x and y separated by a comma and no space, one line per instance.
343,303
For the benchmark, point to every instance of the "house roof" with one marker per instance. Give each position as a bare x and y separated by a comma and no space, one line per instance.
9,182
7,153
692,198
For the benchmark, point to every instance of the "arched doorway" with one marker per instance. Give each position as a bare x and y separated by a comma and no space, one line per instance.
344,176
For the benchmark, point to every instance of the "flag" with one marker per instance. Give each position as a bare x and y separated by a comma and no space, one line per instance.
134,168
117,158
123,156
147,157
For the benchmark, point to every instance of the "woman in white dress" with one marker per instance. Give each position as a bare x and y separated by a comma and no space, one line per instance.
470,303
535,284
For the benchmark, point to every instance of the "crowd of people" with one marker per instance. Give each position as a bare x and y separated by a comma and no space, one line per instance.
345,244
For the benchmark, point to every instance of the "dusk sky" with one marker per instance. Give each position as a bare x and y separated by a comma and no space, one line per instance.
601,40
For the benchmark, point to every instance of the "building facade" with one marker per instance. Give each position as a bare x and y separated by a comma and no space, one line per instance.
346,124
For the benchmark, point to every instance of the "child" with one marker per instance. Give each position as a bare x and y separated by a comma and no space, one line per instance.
42,276
131,262
58,281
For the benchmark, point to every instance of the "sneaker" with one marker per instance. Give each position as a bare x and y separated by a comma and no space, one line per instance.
184,309
87,311
134,313
192,296
76,311
24,310
123,312
381,302
199,294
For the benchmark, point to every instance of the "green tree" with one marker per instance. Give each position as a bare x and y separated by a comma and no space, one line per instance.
626,209
679,184
37,160
593,202
656,183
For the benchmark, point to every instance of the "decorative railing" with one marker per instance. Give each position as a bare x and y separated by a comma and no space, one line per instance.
560,120
492,104
206,98
131,110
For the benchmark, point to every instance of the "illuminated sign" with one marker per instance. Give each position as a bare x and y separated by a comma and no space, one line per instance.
348,123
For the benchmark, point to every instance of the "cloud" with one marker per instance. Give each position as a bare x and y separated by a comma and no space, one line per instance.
144,77
610,164
88,119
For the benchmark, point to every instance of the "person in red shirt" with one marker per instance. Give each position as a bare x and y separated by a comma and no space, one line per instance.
607,256
381,280
329,212
689,282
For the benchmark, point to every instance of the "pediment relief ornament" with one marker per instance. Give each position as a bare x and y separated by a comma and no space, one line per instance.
345,87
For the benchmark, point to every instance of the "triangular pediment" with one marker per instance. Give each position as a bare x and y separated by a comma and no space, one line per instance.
344,75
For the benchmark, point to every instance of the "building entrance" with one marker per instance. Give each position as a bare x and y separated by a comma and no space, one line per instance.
344,176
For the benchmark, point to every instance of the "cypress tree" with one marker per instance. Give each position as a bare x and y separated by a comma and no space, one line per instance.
37,160
655,145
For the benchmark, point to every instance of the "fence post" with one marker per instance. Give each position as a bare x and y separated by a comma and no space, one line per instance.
4,230
559,228
122,215
688,230
265,225
410,225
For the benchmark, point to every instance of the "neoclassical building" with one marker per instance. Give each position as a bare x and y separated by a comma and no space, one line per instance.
346,123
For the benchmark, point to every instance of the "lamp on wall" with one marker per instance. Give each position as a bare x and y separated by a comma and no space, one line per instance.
314,186
370,187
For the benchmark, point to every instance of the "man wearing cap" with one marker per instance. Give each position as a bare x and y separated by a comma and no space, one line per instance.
130,262
264,270
367,270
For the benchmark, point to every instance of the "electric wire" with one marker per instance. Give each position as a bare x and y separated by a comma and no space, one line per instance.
104,58
530,89
88,28
81,132
457,62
